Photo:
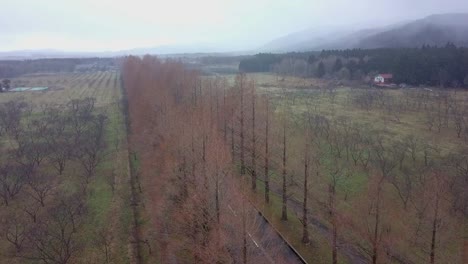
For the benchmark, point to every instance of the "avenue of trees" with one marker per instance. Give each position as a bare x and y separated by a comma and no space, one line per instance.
436,66
180,130
204,147
47,161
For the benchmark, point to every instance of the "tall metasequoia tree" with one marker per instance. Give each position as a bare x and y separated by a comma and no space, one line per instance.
267,154
186,129
224,115
240,82
254,154
284,208
433,207
376,231
336,174
305,221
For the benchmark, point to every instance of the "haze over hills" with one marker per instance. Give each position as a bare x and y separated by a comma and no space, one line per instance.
432,30
160,50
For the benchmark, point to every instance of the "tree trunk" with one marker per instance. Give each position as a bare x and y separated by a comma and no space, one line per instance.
233,149
217,192
375,241
331,205
224,115
205,177
242,169
335,247
254,154
267,168
284,215
244,234
305,223
434,230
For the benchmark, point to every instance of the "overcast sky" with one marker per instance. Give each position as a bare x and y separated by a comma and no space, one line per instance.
100,25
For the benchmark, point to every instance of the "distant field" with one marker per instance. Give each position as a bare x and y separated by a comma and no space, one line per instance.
302,94
105,86
108,201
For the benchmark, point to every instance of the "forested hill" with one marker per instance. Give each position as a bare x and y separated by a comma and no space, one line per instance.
434,30
445,66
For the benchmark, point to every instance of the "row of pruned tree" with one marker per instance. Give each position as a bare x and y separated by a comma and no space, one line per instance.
440,110
48,158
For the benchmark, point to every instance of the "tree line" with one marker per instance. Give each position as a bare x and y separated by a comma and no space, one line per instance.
435,66
181,127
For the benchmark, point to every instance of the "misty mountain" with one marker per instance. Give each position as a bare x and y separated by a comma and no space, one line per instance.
435,30
305,39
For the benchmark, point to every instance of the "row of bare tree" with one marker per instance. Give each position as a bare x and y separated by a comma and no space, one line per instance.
48,157
198,205
440,109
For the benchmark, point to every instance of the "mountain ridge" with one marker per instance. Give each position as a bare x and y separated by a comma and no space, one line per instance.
435,30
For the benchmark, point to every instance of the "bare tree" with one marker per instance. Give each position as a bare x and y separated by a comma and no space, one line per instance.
54,239
14,229
336,174
91,147
11,113
104,240
240,82
267,153
40,186
254,147
60,143
305,220
12,180
284,208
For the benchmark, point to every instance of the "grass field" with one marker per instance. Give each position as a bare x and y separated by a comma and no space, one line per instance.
107,209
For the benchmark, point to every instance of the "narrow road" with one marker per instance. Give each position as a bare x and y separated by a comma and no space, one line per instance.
269,243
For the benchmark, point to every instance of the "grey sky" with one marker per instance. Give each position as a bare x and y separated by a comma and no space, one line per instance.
98,25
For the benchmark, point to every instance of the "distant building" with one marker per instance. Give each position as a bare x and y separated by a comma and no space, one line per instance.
383,78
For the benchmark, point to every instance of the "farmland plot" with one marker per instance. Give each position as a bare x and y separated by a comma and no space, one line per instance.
91,205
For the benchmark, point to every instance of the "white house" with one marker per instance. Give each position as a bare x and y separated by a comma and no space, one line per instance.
383,78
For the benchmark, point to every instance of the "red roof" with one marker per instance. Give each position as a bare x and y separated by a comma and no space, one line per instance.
387,75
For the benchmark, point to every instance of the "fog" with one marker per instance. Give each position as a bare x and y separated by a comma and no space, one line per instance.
230,25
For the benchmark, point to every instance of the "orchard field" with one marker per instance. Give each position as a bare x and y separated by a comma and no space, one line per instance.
386,169
68,201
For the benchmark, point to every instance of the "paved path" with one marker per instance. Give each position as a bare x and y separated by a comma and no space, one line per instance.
269,243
